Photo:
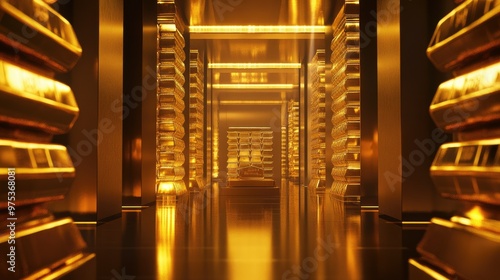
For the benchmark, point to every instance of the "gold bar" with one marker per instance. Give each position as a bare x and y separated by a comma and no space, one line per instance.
42,172
41,103
468,171
48,248
36,30
466,32
468,100
445,244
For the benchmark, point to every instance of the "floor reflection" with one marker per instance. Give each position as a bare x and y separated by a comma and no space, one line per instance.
249,241
165,239
294,236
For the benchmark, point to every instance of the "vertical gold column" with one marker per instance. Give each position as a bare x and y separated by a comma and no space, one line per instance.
170,117
318,121
196,121
346,107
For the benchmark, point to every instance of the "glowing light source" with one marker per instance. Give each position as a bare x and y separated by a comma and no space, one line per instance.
254,86
166,187
254,65
292,29
476,213
250,102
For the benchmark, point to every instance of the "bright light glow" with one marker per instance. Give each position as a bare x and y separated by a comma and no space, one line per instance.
254,65
475,214
431,272
166,187
250,102
165,239
254,86
461,220
293,29
250,244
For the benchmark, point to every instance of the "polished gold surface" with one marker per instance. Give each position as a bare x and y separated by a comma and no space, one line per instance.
422,271
41,103
318,122
170,168
446,242
209,236
468,171
196,121
346,103
50,39
469,100
293,140
45,250
467,32
250,155
43,172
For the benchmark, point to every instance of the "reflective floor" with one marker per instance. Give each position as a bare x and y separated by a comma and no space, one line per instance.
208,236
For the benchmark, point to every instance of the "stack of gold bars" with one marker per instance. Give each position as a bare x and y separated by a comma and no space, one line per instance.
318,121
467,43
33,171
293,140
283,152
250,157
346,103
170,111
196,124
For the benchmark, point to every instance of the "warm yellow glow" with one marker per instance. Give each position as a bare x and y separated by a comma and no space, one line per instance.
293,11
165,238
250,245
247,78
250,102
429,271
168,27
352,245
33,85
475,214
197,11
293,29
254,86
461,220
254,65
166,187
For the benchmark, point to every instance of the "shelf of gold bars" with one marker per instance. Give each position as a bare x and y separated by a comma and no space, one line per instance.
250,148
468,169
293,140
345,105
196,125
33,171
284,153
170,109
318,121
